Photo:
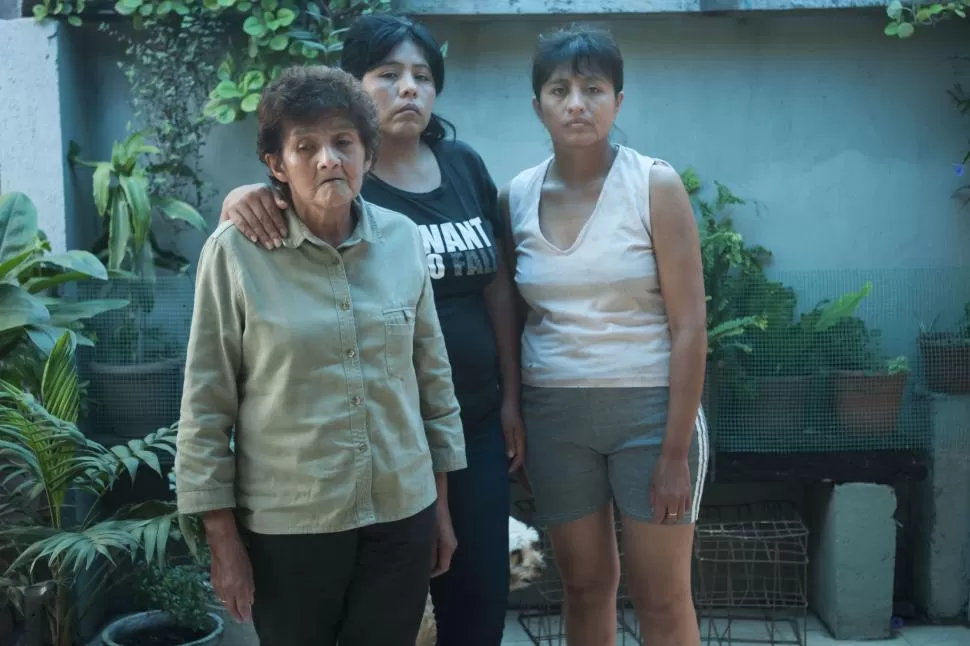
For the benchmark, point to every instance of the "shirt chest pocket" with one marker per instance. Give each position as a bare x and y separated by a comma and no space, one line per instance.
399,340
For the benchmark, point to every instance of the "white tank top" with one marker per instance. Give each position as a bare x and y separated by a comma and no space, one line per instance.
596,316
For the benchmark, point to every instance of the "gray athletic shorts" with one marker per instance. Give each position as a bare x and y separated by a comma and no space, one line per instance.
586,446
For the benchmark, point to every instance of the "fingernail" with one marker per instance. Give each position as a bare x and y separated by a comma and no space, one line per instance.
277,242
510,454
252,238
269,246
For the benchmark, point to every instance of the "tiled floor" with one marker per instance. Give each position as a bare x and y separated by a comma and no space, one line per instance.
816,634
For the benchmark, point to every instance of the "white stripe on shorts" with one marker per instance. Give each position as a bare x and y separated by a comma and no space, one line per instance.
703,451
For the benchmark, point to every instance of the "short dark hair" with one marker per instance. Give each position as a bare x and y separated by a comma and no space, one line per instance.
371,39
305,93
587,50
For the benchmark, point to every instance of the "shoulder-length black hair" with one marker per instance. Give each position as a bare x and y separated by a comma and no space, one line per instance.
373,37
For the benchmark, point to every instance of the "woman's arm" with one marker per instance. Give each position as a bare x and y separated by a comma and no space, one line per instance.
501,300
205,470
677,249
257,211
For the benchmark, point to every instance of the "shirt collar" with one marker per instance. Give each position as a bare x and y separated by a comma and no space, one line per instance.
364,231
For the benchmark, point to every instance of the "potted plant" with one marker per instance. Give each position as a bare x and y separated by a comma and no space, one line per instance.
182,609
58,545
946,357
867,387
139,363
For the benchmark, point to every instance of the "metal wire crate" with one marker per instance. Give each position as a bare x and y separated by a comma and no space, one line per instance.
751,562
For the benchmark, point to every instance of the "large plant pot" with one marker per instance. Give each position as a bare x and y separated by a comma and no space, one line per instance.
156,628
867,403
778,406
131,401
946,362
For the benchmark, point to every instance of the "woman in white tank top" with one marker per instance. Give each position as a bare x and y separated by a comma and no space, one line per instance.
605,253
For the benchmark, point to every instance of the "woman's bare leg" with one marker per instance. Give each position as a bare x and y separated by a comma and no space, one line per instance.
658,562
588,560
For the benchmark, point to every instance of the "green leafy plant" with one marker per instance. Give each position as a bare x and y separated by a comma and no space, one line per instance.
728,264
183,591
31,275
68,11
44,457
126,209
905,16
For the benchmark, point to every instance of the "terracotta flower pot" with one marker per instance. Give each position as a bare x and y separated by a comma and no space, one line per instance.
867,403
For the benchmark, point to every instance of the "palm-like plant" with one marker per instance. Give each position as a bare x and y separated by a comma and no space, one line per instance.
43,458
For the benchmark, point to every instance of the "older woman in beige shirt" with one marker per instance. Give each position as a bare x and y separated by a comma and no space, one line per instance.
326,360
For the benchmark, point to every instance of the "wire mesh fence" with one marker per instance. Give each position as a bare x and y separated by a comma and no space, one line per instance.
839,360
800,361
134,371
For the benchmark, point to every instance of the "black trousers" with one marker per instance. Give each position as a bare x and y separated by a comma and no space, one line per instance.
364,587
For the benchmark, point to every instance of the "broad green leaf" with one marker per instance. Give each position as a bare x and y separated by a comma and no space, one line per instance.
45,336
136,190
224,72
905,30
254,27
18,308
279,42
892,29
40,12
102,186
895,9
285,17
127,7
226,114
119,232
11,267
269,5
179,210
253,80
74,21
250,103
18,224
75,261
227,90
67,312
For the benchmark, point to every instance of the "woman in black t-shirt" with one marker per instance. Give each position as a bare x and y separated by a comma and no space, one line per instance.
444,187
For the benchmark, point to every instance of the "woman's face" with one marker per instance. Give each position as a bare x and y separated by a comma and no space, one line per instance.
577,109
323,163
403,89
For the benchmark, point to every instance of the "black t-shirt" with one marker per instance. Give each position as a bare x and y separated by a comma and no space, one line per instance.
459,224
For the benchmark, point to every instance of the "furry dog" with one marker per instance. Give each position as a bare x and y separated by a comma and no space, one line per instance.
526,563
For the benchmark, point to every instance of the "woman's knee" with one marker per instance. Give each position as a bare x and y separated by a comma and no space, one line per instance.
660,603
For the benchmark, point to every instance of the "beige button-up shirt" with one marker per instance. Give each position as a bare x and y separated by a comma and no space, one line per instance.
330,366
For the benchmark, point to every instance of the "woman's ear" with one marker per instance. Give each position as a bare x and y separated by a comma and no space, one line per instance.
275,164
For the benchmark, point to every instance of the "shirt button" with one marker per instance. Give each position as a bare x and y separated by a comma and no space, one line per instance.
362,447
345,305
355,400
351,353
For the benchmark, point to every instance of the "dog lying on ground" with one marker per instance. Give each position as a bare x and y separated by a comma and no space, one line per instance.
526,563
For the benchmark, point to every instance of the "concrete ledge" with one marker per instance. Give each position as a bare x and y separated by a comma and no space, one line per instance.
853,560
596,7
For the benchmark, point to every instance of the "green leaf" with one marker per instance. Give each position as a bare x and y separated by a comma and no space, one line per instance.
279,42
179,210
60,390
895,9
102,184
66,312
127,7
250,103
19,308
136,191
227,90
253,80
226,114
119,232
892,29
75,261
269,5
74,21
285,17
906,30
18,225
444,49
40,12
164,8
224,73
244,7
254,27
